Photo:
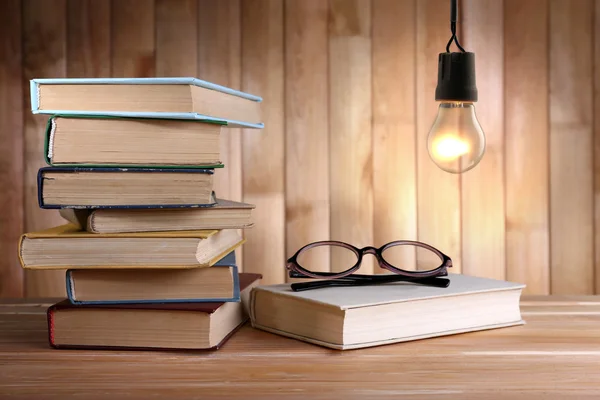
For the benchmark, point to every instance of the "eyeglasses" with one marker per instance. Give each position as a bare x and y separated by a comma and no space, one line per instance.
352,258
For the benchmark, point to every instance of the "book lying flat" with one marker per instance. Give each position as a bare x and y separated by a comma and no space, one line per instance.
68,187
172,98
219,283
66,247
97,141
192,326
364,316
225,214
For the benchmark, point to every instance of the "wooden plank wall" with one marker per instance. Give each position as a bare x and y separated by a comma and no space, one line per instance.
350,138
597,144
348,96
438,193
263,152
526,150
219,27
394,124
482,190
11,148
571,147
306,129
44,41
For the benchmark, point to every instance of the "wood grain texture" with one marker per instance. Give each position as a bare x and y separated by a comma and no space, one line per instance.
364,121
306,128
44,56
133,44
176,37
263,150
482,188
350,134
597,144
11,148
219,27
88,47
438,191
394,125
88,38
526,144
554,356
571,147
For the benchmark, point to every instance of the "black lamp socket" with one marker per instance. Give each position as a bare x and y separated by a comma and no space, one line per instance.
456,77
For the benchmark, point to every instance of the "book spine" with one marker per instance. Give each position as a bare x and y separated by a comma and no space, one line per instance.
251,311
40,187
20,250
91,222
50,317
69,287
236,283
49,141
34,94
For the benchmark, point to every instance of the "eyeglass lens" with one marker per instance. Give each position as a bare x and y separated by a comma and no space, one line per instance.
405,256
327,258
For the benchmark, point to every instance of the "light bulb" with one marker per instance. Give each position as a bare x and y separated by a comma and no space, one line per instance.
456,142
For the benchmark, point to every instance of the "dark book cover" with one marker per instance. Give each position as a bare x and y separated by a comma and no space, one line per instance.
245,280
227,261
42,171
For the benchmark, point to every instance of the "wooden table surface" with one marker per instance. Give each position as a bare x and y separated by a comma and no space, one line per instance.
555,355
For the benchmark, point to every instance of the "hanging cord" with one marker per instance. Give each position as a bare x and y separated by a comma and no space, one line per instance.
453,18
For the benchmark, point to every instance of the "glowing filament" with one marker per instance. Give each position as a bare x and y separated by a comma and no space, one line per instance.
450,147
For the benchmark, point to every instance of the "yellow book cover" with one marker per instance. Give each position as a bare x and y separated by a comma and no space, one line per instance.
69,247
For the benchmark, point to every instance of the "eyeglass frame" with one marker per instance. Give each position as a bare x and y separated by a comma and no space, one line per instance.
292,264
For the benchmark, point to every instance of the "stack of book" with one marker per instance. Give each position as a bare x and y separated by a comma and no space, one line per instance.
148,247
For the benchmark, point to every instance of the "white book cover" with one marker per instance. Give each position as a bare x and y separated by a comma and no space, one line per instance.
34,85
462,308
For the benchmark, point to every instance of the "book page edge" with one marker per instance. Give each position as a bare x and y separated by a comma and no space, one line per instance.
361,345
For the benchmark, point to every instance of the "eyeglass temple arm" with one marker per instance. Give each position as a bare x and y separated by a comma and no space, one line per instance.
354,280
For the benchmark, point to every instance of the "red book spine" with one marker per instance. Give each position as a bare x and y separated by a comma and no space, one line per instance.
50,314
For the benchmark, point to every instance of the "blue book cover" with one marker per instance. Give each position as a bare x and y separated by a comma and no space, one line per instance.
190,81
228,261
43,204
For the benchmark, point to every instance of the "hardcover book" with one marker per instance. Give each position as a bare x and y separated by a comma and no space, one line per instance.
171,98
69,187
219,283
225,214
364,316
100,141
67,247
192,326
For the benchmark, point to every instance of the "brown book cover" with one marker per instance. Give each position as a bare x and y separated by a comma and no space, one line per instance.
247,282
